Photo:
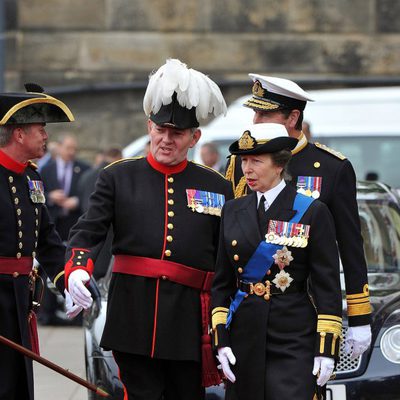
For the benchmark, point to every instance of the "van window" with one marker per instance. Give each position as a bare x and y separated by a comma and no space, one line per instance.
376,155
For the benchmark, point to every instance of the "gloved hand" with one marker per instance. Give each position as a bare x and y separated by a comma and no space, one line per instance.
71,309
357,340
325,366
225,356
77,289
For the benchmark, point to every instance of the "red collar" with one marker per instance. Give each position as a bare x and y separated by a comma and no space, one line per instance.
166,169
11,164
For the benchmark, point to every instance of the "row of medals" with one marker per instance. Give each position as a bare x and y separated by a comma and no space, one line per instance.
208,210
295,241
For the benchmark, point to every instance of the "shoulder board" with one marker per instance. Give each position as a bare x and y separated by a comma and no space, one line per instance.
209,168
32,165
124,160
337,154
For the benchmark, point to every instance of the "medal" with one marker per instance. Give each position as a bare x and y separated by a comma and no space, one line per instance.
36,191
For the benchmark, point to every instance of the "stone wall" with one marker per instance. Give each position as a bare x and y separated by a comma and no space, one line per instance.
112,45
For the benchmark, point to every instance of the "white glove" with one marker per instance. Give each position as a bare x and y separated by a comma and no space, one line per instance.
78,291
325,366
71,309
357,340
225,356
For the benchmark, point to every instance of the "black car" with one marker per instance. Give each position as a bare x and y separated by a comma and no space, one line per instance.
376,374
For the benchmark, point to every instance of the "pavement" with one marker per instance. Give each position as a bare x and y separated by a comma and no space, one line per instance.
65,347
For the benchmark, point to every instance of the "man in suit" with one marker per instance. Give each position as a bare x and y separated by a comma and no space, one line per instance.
322,173
61,179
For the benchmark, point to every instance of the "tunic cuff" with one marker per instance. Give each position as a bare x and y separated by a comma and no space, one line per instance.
329,330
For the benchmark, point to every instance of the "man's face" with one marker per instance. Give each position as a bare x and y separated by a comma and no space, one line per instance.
68,148
168,145
260,172
34,138
276,117
209,156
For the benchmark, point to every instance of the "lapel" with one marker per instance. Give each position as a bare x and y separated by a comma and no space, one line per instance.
247,219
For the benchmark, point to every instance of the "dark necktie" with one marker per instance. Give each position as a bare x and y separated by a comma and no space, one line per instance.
262,214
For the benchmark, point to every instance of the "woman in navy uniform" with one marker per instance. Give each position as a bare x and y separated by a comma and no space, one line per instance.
26,232
322,173
165,214
272,338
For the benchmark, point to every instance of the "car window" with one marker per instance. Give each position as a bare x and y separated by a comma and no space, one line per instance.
369,155
380,228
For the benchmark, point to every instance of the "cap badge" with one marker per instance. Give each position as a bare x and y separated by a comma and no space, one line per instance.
246,142
258,89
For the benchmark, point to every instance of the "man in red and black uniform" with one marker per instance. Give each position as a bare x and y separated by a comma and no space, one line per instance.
25,229
165,213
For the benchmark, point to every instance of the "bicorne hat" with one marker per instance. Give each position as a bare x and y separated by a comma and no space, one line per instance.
32,107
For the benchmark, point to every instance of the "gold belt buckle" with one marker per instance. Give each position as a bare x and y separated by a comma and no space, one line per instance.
260,289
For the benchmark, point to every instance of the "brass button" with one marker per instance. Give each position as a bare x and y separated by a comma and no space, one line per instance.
33,254
19,255
168,253
19,223
16,200
78,263
170,179
269,272
240,270
236,257
36,211
36,233
81,252
14,189
170,238
20,234
37,222
164,277
15,274
20,245
170,190
317,164
10,179
170,202
18,211
234,243
35,244
170,226
171,213
79,257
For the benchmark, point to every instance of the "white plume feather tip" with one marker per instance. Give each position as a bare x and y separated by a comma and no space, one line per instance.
193,89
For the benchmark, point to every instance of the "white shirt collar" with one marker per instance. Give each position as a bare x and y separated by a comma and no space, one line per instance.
271,194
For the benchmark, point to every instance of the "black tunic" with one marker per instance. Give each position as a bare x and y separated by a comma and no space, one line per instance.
338,192
275,341
148,210
25,231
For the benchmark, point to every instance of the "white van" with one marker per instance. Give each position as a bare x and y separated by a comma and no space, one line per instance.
363,124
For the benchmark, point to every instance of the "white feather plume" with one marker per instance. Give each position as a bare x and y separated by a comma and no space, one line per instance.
193,89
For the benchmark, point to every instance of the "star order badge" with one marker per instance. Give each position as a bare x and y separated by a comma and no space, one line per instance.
282,280
283,257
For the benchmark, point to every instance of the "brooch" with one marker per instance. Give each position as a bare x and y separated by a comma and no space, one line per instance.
282,280
283,257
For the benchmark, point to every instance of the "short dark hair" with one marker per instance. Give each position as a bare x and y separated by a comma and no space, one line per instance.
281,159
286,112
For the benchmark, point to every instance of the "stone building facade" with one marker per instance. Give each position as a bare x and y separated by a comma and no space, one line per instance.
96,54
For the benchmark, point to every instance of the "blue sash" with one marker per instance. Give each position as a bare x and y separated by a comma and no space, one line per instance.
261,260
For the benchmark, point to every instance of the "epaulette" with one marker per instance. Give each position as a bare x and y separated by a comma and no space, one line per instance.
32,165
123,160
337,154
209,168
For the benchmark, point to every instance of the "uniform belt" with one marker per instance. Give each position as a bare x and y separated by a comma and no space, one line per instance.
268,288
163,269
16,266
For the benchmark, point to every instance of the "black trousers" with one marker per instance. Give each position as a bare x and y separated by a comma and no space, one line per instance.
146,378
